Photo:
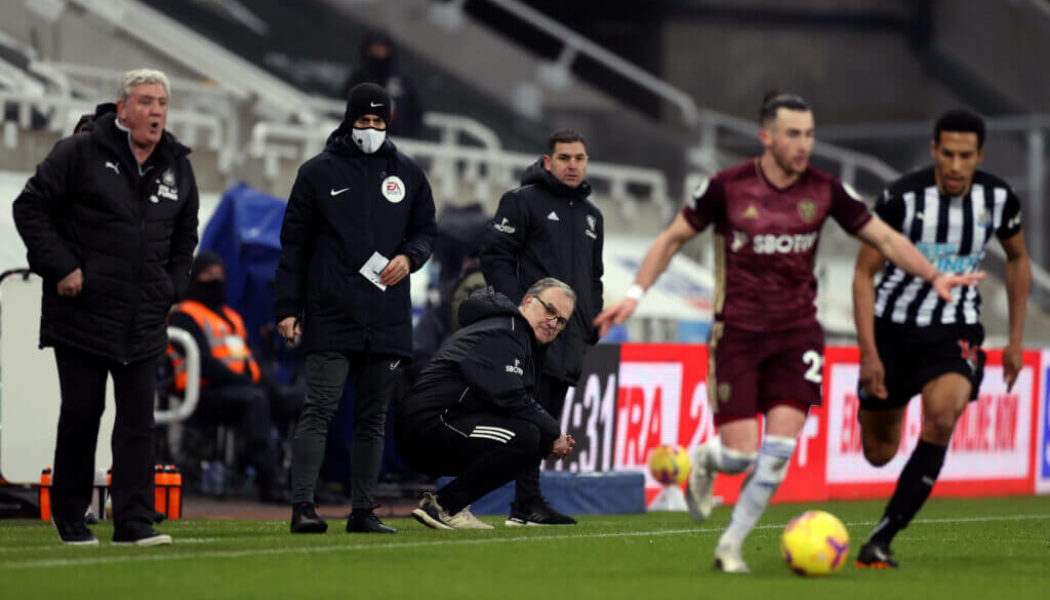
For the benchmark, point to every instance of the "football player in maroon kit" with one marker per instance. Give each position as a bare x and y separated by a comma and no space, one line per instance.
766,346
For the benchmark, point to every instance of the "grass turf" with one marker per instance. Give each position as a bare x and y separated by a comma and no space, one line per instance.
974,548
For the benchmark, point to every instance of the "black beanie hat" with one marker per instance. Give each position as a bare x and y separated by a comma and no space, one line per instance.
366,99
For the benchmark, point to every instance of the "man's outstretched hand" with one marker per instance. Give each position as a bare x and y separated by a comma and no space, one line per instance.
614,315
944,282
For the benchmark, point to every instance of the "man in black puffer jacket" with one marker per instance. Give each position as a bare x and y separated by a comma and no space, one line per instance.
548,228
473,412
358,201
110,223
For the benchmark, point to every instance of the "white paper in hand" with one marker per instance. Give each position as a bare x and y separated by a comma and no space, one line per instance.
375,265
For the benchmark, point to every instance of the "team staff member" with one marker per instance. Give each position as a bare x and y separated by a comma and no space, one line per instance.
358,201
913,342
766,346
110,222
473,413
548,228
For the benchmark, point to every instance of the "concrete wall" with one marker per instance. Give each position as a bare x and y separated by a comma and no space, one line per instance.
81,39
846,75
1005,44
472,52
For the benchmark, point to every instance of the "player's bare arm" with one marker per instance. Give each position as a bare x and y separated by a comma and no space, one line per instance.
872,372
1018,282
656,260
898,250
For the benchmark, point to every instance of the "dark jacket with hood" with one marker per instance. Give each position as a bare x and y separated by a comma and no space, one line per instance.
488,366
344,206
547,229
130,229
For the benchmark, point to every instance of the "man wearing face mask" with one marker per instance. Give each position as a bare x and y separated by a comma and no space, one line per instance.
360,217
231,389
377,66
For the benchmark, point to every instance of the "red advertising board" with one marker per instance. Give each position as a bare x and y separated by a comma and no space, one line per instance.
990,452
657,394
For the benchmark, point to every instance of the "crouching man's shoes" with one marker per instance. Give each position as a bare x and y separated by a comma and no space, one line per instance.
537,512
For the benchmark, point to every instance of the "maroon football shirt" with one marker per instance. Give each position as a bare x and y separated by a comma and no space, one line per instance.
766,242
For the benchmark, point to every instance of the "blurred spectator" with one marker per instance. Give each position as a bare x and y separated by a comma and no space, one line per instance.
377,66
232,390
460,230
87,118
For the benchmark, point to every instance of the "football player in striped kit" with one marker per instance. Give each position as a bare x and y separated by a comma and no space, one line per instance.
912,341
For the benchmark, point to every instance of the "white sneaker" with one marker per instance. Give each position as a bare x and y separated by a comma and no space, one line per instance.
700,499
728,559
465,519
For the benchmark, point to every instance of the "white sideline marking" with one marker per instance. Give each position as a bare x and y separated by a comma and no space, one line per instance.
182,540
74,562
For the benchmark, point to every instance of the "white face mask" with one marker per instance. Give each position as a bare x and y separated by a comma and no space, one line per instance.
368,140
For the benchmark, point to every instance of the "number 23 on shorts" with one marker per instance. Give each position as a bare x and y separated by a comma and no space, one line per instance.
815,361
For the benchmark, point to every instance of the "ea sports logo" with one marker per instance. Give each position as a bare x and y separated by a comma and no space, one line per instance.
393,189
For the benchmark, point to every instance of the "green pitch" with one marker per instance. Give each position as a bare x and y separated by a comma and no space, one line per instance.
987,548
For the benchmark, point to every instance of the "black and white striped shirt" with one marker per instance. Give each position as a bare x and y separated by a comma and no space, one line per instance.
952,233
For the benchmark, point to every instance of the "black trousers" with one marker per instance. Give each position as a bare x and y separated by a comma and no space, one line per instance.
550,393
82,378
373,377
482,450
246,407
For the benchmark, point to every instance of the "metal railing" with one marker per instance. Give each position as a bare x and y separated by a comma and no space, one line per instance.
484,163
709,124
184,405
103,82
197,53
712,124
573,44
192,128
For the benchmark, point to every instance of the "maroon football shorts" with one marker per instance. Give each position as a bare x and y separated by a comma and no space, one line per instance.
754,371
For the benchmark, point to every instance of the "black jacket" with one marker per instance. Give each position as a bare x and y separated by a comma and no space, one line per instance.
131,232
337,216
488,366
547,229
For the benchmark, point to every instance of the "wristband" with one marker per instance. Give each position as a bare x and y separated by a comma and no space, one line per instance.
635,292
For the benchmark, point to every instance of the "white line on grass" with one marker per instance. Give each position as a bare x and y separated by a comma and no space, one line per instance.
75,562
52,546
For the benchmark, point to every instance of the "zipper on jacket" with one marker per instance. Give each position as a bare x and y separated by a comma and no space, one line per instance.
372,246
141,187
572,250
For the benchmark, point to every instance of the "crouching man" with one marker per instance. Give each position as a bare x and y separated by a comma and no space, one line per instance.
473,413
